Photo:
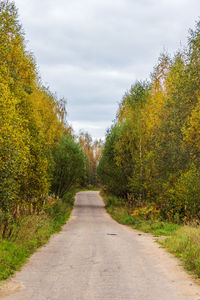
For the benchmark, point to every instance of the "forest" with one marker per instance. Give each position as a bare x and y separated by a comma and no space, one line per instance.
151,156
40,157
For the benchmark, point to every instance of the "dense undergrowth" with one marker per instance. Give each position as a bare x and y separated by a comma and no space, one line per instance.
31,232
181,240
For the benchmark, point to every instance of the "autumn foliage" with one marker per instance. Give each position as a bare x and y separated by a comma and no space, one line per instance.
33,130
151,154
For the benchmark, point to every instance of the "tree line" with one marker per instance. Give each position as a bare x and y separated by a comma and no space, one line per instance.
39,154
152,151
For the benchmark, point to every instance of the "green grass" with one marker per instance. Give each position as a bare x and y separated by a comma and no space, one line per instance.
185,244
32,232
121,215
181,240
120,212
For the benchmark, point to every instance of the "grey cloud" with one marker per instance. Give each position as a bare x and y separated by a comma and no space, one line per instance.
95,113
91,51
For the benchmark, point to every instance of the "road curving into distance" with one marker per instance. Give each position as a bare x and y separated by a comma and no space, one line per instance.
95,258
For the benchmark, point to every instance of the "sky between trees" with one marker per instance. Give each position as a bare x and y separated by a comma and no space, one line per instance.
91,52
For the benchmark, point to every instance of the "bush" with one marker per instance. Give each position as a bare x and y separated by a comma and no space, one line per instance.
184,198
69,166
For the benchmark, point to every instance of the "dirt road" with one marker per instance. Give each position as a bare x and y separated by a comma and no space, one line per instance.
95,258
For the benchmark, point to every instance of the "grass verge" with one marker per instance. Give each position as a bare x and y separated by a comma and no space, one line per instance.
119,211
31,232
181,240
185,244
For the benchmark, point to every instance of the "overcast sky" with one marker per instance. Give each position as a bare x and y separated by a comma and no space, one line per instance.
91,51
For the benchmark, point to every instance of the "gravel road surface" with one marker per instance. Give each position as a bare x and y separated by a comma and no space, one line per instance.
95,258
